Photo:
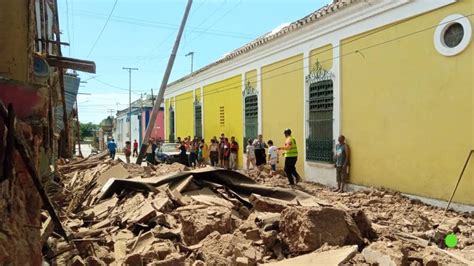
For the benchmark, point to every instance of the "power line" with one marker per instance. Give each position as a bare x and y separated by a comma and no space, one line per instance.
93,78
103,28
215,22
67,26
330,49
239,84
73,39
161,25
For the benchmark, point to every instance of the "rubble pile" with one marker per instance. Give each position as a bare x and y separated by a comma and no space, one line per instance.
124,214
402,230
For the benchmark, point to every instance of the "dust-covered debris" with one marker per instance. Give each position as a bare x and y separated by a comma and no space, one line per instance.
176,217
306,229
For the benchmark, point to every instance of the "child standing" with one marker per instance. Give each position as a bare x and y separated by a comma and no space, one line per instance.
200,160
128,151
251,156
272,156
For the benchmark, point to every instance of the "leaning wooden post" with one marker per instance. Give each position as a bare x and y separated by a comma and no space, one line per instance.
164,83
459,180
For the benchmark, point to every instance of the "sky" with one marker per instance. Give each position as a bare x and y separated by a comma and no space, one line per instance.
141,33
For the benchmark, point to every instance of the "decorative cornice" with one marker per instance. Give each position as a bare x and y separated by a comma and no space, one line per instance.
318,73
249,90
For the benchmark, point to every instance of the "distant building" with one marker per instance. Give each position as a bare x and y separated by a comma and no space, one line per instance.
140,118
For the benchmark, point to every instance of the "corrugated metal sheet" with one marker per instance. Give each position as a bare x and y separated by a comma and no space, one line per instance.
71,87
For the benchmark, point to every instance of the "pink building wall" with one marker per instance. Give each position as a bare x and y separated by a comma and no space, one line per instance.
158,130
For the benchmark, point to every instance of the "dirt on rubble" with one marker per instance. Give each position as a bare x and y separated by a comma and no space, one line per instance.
124,214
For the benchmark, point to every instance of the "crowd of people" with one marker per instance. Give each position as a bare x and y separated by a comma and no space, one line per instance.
223,152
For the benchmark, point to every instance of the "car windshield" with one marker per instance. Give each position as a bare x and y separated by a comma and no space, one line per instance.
168,147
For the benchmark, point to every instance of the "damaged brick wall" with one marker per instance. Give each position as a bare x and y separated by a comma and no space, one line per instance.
19,215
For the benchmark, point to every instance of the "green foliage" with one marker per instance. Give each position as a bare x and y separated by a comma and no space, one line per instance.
88,129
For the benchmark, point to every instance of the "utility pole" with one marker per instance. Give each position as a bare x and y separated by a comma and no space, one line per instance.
129,69
164,83
78,125
192,59
111,111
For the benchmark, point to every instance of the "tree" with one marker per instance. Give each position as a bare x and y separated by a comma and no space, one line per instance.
88,129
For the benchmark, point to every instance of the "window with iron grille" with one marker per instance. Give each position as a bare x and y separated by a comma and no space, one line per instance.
221,116
319,143
251,118
171,119
198,120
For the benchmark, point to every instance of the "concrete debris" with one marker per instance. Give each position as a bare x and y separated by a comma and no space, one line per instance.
124,214
385,254
117,171
198,223
331,257
265,204
306,229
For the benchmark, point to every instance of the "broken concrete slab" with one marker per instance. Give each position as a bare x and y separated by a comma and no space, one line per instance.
171,260
143,242
242,261
102,207
451,225
141,215
163,249
114,185
117,171
198,223
268,220
181,184
331,257
266,204
308,228
383,254
101,224
208,197
253,234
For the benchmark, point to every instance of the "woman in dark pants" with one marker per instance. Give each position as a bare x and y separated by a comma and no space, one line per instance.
260,154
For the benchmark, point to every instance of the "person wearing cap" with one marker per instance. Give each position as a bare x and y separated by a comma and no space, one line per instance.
291,156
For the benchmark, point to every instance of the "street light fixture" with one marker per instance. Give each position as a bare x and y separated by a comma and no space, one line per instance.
129,69
192,59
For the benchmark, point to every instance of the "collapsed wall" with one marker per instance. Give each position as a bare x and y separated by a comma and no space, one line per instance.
165,215
20,206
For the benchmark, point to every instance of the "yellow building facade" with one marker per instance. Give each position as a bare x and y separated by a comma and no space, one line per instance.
394,77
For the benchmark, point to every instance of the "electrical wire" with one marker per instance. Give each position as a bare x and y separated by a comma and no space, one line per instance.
190,30
337,46
215,22
113,86
161,25
103,29
67,26
260,76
